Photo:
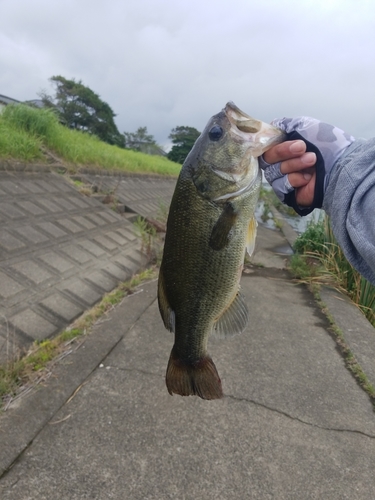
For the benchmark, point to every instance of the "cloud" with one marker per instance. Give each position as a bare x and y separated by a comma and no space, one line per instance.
160,63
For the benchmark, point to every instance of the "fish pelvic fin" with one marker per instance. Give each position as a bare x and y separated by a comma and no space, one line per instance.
193,379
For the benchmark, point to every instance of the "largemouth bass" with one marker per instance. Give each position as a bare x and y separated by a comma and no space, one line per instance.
210,225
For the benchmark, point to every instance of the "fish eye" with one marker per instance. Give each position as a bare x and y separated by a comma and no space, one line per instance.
215,133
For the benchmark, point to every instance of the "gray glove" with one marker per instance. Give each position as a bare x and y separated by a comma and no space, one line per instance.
326,141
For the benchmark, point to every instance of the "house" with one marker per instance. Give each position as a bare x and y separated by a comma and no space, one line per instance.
37,103
4,101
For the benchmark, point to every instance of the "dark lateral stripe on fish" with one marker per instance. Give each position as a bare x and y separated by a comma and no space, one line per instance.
198,379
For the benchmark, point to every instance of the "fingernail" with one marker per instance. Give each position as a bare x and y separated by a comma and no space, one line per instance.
297,147
308,158
307,176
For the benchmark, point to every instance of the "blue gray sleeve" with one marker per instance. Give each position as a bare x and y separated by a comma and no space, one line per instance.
349,201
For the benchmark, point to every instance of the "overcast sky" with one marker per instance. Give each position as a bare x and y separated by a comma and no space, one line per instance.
163,63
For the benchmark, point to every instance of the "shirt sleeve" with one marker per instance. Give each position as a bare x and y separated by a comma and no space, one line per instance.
350,203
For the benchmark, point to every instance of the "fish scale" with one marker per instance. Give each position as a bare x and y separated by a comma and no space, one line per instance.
207,233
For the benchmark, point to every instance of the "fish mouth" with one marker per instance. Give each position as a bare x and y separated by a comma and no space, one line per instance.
262,135
241,120
259,136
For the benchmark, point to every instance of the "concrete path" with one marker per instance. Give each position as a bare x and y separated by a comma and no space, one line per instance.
61,251
294,424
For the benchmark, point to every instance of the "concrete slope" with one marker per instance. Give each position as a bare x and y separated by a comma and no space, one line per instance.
144,195
60,252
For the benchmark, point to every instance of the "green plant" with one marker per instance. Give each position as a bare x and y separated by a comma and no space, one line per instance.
25,131
268,196
16,143
278,223
318,244
302,267
147,234
38,122
312,240
361,291
266,210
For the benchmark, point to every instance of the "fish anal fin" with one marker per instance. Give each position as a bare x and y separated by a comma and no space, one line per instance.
165,309
221,232
193,379
233,320
251,235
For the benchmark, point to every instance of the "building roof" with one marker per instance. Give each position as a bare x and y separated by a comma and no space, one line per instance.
38,103
8,100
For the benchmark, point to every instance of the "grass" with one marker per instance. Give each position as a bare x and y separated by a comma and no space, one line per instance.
319,258
270,199
25,130
147,233
320,261
18,144
349,358
29,369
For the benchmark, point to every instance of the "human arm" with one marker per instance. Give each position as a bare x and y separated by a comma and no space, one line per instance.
348,189
349,201
321,139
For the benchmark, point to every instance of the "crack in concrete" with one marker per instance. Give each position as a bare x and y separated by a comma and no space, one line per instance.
262,405
281,412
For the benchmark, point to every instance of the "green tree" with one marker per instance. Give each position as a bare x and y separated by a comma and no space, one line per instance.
137,140
80,108
143,142
183,139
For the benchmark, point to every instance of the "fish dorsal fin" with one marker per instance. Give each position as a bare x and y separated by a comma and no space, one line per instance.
165,309
221,232
251,235
233,320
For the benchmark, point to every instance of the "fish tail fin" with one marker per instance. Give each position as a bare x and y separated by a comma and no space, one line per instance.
198,379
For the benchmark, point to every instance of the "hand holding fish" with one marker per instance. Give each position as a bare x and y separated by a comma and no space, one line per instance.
299,167
342,182
288,167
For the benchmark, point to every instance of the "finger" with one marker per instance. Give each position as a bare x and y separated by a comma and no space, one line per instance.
306,161
297,179
305,194
284,151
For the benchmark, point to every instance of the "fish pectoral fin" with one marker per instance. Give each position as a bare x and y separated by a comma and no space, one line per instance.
221,232
233,320
251,235
165,309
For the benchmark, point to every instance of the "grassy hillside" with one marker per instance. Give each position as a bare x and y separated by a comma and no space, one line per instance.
25,132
